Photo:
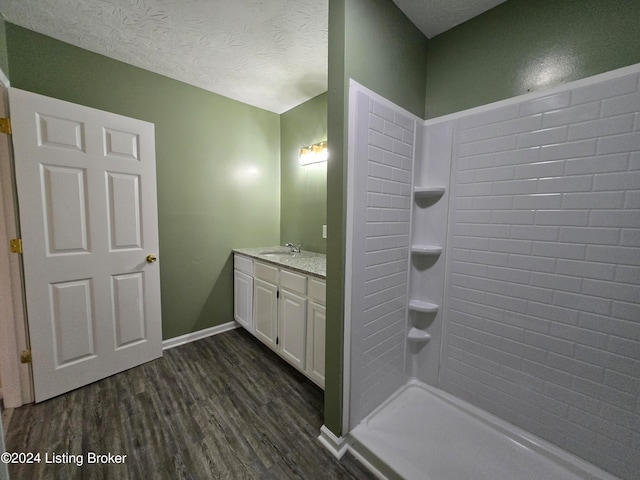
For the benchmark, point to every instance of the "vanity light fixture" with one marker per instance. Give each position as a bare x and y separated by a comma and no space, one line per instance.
313,153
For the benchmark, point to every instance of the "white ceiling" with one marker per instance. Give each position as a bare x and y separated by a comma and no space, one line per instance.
268,53
433,17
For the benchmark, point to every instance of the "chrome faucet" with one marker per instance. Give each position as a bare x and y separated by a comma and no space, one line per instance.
293,248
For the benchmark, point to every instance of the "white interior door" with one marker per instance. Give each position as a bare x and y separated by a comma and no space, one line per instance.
87,197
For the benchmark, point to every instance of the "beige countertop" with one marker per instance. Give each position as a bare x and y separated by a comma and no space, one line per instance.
309,263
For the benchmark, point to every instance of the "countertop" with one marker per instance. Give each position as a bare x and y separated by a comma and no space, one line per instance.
309,263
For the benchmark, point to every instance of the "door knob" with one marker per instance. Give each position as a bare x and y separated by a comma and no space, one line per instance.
151,258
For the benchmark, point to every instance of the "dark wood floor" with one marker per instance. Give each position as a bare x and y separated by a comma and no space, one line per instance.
223,407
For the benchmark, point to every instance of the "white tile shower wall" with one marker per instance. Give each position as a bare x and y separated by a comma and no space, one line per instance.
381,238
543,310
429,227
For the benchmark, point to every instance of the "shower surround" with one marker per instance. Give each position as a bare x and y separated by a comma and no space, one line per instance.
495,254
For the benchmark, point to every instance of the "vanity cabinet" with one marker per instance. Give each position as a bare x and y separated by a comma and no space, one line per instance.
265,297
288,314
316,325
291,341
265,303
243,291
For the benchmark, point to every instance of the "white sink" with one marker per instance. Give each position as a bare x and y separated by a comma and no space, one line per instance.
276,253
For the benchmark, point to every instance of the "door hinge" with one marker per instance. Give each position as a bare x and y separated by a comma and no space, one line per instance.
15,245
5,125
25,356
277,340
278,293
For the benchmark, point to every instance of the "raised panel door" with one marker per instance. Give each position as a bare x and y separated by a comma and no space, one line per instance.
265,311
86,186
292,315
243,299
316,327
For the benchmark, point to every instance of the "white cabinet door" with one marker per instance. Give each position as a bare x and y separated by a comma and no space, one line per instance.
285,315
243,299
292,315
86,182
265,311
316,326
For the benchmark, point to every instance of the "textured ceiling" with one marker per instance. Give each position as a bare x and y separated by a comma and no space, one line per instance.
433,17
268,53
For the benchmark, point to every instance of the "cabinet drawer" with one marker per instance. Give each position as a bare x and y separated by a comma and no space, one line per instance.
243,264
265,272
293,281
317,290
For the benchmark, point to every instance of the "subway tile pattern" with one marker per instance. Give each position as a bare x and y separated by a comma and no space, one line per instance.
544,266
380,306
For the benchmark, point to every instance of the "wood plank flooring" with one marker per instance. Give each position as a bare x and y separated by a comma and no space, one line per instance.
224,407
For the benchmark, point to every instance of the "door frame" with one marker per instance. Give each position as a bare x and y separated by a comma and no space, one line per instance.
17,385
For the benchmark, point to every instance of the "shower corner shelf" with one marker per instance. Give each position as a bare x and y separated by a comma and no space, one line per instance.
424,192
418,336
426,249
422,306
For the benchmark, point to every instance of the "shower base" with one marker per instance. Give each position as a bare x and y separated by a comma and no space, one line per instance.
422,433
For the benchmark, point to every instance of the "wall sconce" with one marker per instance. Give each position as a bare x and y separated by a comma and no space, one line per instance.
313,153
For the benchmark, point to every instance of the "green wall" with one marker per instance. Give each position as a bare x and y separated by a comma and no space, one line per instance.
336,204
4,60
526,45
217,167
303,189
372,42
385,52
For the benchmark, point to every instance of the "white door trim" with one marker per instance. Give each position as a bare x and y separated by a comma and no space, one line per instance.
17,388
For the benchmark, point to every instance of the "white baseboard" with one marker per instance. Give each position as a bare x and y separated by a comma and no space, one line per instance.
199,335
336,445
